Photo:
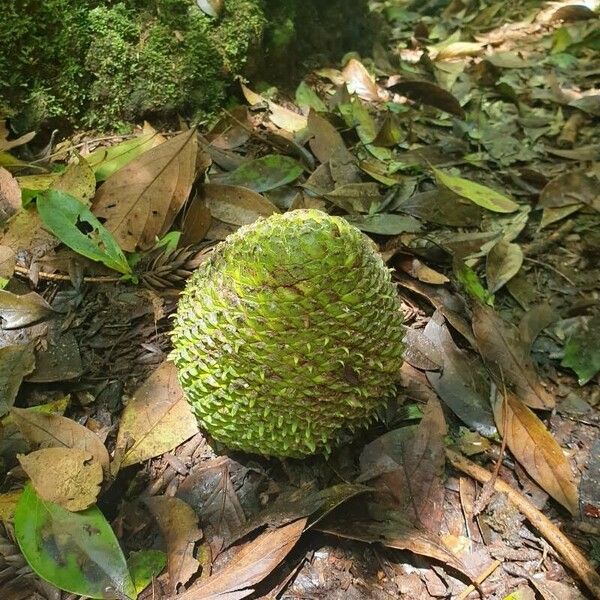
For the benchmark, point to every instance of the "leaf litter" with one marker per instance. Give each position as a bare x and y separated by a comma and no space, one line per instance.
465,147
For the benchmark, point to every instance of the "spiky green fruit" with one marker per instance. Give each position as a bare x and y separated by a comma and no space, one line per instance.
288,335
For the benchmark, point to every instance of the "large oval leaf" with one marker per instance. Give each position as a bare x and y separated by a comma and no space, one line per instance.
77,552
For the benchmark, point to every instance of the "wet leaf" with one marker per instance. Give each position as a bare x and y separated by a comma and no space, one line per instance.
61,213
10,196
360,82
140,201
106,161
535,448
407,466
20,311
77,552
430,94
461,382
235,204
582,351
16,361
178,524
307,97
251,564
157,418
144,566
77,180
503,262
54,431
508,358
477,193
69,477
262,174
385,224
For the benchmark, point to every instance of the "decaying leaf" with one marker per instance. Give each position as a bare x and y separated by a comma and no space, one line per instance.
503,262
77,180
54,431
10,195
140,201
156,419
254,561
536,449
76,551
407,466
20,311
178,524
70,477
16,361
508,358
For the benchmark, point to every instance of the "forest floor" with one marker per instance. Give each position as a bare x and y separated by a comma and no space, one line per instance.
468,149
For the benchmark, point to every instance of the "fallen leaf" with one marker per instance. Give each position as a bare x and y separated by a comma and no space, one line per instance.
254,561
462,382
8,260
282,117
360,82
20,311
555,590
157,418
582,351
178,524
77,180
140,201
16,361
6,144
234,204
570,188
232,130
69,477
75,551
326,138
8,505
54,431
430,94
308,98
503,262
407,466
508,358
263,174
535,448
10,195
144,566
477,193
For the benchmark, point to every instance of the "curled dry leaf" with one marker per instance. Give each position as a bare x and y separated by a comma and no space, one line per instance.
156,419
16,361
20,311
234,204
535,448
70,477
178,524
360,82
140,201
503,262
55,431
10,195
507,357
254,561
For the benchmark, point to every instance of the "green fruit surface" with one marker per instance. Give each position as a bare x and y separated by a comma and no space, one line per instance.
290,334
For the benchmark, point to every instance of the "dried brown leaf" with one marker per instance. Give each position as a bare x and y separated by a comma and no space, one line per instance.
157,419
235,204
70,477
535,448
508,357
326,138
140,201
178,524
430,94
503,262
570,188
8,260
16,361
251,564
20,311
196,221
360,82
55,431
10,195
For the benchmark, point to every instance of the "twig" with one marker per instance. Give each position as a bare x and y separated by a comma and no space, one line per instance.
479,580
571,555
62,277
551,268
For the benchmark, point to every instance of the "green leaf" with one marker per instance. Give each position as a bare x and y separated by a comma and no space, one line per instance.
306,96
106,161
144,566
582,352
61,213
477,193
77,552
385,224
470,281
262,174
